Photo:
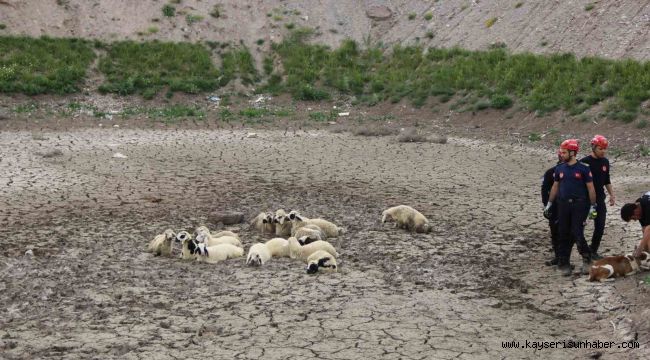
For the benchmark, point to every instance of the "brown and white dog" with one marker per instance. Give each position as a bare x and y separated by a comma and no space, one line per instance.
618,266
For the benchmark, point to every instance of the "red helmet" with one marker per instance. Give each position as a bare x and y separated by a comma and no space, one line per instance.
570,144
600,141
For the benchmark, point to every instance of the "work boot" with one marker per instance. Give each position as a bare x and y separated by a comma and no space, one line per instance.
596,256
564,266
551,262
586,265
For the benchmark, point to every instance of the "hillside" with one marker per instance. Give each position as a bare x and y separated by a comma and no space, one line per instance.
619,29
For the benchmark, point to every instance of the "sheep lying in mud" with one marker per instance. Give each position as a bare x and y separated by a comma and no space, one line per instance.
296,251
406,217
321,260
224,237
217,253
278,247
308,234
263,223
188,245
258,255
282,223
162,244
329,229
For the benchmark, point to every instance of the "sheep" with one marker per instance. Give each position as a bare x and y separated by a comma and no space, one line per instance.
223,237
258,255
278,247
321,260
282,223
217,253
188,245
329,229
406,217
263,223
308,234
302,252
162,244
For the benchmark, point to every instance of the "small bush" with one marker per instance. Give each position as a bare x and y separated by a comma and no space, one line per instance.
642,124
489,22
192,19
3,26
152,29
168,10
644,151
533,137
430,34
428,16
412,16
589,7
290,26
260,42
519,4
412,136
500,102
321,116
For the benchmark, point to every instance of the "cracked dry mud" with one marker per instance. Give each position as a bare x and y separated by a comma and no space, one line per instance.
90,290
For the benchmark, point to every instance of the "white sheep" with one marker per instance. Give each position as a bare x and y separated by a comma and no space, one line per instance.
329,229
308,234
278,247
258,255
321,260
406,217
263,223
217,253
282,223
162,244
223,237
296,251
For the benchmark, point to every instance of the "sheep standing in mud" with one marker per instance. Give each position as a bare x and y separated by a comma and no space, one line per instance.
282,223
296,251
258,255
328,229
162,244
217,253
406,217
321,261
263,223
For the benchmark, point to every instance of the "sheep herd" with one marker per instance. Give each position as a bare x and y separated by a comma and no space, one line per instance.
306,239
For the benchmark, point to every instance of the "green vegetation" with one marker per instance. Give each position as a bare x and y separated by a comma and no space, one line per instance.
169,10
489,22
145,68
519,4
43,65
428,16
216,11
263,112
412,16
589,7
533,137
238,62
192,19
3,26
321,116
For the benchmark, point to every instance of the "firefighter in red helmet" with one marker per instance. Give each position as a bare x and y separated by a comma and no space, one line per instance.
576,198
600,169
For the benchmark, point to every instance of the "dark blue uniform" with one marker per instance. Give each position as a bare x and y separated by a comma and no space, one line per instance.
547,183
644,201
573,206
600,172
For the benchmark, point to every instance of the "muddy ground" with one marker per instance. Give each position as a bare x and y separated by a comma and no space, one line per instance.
90,290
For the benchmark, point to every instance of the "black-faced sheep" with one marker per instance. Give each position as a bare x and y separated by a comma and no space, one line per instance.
258,255
296,251
329,229
217,253
406,217
188,245
308,234
162,244
264,223
282,223
321,261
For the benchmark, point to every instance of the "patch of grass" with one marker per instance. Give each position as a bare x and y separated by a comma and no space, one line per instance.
491,21
644,151
260,42
533,137
145,68
263,112
290,26
412,16
3,26
430,34
168,10
428,16
226,115
43,65
481,105
642,124
499,101
322,116
216,11
152,29
646,280
519,4
277,18
25,108
175,112
589,7
238,62
192,19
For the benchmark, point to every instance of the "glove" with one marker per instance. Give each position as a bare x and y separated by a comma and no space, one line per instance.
592,212
547,210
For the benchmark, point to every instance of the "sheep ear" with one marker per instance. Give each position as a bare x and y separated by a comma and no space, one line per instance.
298,218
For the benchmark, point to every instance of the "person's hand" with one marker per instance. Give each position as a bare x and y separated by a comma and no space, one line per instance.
592,212
612,200
547,210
